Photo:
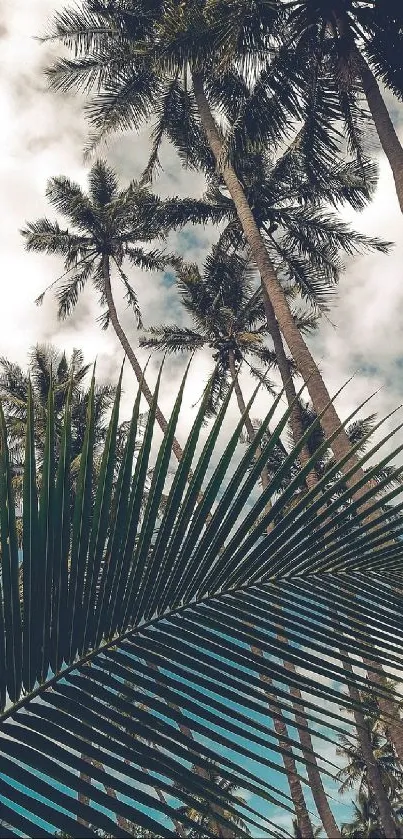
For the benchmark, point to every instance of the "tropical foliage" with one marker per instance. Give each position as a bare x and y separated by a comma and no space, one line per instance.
147,625
199,652
354,776
49,367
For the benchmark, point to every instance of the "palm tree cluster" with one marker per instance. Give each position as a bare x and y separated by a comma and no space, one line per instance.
354,775
177,652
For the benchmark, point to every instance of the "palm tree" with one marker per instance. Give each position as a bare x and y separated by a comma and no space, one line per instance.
181,62
206,817
162,612
48,365
229,318
354,774
351,49
365,824
303,239
107,227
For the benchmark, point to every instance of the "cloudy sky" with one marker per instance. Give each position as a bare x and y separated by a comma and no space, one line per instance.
43,135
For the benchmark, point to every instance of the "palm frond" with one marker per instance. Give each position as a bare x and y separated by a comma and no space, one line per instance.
103,183
46,236
171,339
145,625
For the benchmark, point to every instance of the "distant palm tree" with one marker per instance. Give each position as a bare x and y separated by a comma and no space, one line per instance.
49,365
107,226
365,823
229,319
206,820
354,773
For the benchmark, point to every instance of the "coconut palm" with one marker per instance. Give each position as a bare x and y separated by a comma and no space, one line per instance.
204,819
353,48
365,823
109,227
228,318
47,364
304,240
162,613
354,773
170,60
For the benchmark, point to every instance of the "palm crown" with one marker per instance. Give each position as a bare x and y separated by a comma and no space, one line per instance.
107,223
304,238
228,316
339,50
50,368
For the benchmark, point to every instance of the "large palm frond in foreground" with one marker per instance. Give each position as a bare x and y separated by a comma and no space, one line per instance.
125,649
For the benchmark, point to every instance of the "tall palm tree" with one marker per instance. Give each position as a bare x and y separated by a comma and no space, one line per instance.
228,318
108,226
354,774
304,239
203,820
167,60
48,365
353,48
365,823
165,622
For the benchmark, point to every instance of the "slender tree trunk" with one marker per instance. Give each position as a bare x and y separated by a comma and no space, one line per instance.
313,772
384,126
303,359
289,389
162,422
296,791
83,799
180,831
374,776
389,709
247,420
280,727
314,777
215,827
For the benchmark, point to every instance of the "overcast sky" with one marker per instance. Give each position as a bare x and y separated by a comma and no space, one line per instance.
42,134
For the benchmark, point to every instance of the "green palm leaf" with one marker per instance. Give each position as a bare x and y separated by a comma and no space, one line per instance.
128,652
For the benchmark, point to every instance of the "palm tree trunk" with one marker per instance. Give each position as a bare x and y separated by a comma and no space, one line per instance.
314,777
81,797
374,776
280,727
303,359
289,389
215,827
296,791
384,126
247,420
162,422
389,709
